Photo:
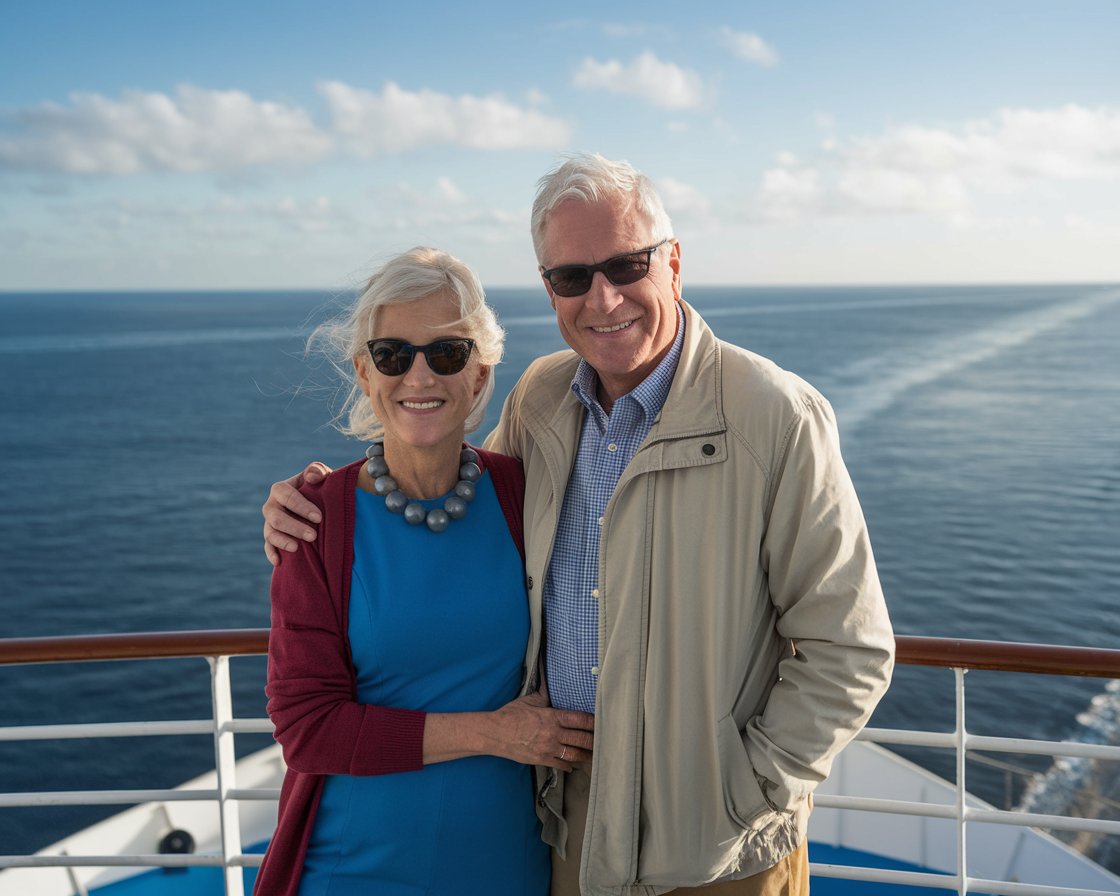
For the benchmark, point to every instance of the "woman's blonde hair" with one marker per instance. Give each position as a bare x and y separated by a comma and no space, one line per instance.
419,273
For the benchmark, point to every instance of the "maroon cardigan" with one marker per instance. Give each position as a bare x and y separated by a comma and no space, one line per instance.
312,690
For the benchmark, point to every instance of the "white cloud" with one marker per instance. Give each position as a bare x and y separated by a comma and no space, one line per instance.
749,47
824,121
890,190
315,215
395,119
196,130
684,201
1071,142
786,192
625,30
946,171
450,192
660,83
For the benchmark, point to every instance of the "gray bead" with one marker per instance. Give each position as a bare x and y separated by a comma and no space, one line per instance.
470,472
384,484
377,467
396,501
468,456
377,449
415,513
465,490
456,507
437,520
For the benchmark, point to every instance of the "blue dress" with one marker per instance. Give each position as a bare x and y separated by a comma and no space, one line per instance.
438,622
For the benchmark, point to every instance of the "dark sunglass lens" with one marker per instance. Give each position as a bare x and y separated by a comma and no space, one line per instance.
392,359
448,357
573,281
627,269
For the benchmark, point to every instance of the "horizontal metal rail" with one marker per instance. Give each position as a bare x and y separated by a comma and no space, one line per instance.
129,797
132,729
948,740
988,816
948,882
220,645
152,860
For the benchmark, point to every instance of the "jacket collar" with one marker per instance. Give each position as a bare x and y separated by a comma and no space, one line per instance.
683,415
698,374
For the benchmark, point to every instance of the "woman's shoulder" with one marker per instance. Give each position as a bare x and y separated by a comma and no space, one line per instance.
334,487
492,459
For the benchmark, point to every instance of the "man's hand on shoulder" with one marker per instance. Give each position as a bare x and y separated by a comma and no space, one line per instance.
288,515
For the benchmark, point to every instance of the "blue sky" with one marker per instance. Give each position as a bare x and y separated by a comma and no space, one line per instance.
291,145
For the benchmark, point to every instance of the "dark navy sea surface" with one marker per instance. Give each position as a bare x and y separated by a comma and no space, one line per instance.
139,433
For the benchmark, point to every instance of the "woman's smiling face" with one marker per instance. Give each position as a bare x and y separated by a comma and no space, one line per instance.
420,408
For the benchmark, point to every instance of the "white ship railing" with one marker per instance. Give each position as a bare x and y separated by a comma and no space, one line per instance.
217,647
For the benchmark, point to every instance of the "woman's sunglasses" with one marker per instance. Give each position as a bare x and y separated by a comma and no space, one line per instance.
393,357
570,280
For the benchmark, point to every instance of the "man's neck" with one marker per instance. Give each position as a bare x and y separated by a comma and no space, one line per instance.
605,401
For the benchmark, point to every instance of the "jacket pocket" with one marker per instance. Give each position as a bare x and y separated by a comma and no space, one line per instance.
742,795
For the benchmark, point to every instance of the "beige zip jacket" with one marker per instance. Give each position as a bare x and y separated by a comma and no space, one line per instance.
743,635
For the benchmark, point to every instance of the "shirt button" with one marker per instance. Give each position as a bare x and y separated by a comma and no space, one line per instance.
600,521
595,593
612,447
595,670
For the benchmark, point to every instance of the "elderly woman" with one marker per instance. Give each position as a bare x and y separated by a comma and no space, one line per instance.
399,637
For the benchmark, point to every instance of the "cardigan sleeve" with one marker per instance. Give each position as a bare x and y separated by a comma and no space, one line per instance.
319,723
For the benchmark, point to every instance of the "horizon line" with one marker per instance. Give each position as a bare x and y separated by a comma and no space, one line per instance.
838,284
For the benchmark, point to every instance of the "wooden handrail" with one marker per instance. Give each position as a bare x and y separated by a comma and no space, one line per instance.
137,646
1008,656
949,653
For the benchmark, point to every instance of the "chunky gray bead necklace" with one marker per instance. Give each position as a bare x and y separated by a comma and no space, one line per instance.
454,506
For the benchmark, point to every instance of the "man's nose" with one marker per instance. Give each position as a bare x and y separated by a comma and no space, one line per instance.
603,295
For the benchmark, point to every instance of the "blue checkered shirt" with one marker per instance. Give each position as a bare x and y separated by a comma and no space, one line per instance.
607,444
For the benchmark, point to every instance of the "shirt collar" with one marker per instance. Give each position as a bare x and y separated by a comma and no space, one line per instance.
650,393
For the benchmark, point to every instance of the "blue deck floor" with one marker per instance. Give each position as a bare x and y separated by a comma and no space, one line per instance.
208,881
831,886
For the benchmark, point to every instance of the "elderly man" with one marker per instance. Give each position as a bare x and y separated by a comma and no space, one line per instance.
700,558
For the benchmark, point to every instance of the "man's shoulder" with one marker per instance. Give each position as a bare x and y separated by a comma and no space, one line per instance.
561,363
548,374
743,376
751,377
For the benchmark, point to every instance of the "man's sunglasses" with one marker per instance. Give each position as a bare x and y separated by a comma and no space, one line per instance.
393,357
570,280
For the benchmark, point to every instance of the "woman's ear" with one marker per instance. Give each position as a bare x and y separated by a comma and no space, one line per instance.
361,373
483,371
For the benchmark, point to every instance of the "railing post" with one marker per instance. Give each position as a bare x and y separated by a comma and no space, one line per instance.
76,884
224,763
962,791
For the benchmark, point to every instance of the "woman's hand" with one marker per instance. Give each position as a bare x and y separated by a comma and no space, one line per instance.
526,730
536,734
287,513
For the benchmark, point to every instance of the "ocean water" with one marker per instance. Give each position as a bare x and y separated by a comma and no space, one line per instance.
139,434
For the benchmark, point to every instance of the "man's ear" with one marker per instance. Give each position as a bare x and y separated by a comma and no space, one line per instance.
675,264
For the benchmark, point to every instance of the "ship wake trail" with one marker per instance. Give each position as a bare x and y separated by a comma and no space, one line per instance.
870,385
1085,788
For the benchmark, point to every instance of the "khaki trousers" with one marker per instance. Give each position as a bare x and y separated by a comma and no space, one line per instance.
790,877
